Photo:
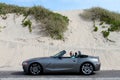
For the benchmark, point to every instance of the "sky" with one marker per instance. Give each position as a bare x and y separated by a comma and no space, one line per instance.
58,5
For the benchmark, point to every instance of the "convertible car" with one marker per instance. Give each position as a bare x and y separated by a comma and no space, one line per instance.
77,63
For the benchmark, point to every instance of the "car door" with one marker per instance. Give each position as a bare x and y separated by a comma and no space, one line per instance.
64,64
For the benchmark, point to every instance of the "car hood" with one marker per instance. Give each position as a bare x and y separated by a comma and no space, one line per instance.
38,58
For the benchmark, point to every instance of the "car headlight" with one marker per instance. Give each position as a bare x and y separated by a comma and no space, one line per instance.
24,63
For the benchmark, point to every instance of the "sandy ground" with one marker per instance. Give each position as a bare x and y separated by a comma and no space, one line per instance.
17,44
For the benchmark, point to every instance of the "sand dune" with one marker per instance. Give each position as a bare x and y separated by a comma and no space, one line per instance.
17,44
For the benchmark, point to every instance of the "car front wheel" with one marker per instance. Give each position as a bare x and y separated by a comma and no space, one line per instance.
35,69
87,68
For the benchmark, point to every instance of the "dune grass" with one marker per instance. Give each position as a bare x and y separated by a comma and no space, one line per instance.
104,16
55,24
27,23
105,33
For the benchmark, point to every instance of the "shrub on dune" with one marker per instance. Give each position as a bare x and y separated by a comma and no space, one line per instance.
55,24
104,16
29,24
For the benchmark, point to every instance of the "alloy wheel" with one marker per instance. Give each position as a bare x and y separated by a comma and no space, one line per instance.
87,68
35,69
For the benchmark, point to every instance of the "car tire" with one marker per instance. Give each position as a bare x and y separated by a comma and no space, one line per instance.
87,68
35,69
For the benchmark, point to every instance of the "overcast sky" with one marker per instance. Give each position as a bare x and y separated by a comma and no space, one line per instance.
113,5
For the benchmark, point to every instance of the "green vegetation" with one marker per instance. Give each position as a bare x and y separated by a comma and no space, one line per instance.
105,34
29,24
95,29
55,24
4,17
103,15
5,9
101,23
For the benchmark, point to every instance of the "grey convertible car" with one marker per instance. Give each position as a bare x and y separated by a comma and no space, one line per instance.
59,63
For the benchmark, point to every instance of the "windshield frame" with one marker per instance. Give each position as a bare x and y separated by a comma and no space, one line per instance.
60,54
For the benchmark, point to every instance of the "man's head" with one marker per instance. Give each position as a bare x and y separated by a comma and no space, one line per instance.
71,54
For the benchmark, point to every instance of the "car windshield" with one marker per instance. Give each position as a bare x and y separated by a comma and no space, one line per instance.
60,54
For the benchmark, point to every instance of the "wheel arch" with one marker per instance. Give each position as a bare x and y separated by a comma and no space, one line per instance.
87,62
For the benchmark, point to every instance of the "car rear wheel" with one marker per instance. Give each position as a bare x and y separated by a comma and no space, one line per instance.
35,69
87,68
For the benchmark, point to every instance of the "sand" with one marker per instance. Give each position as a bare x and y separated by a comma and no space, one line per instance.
18,44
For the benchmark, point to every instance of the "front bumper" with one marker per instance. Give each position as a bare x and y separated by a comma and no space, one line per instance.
25,67
97,66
